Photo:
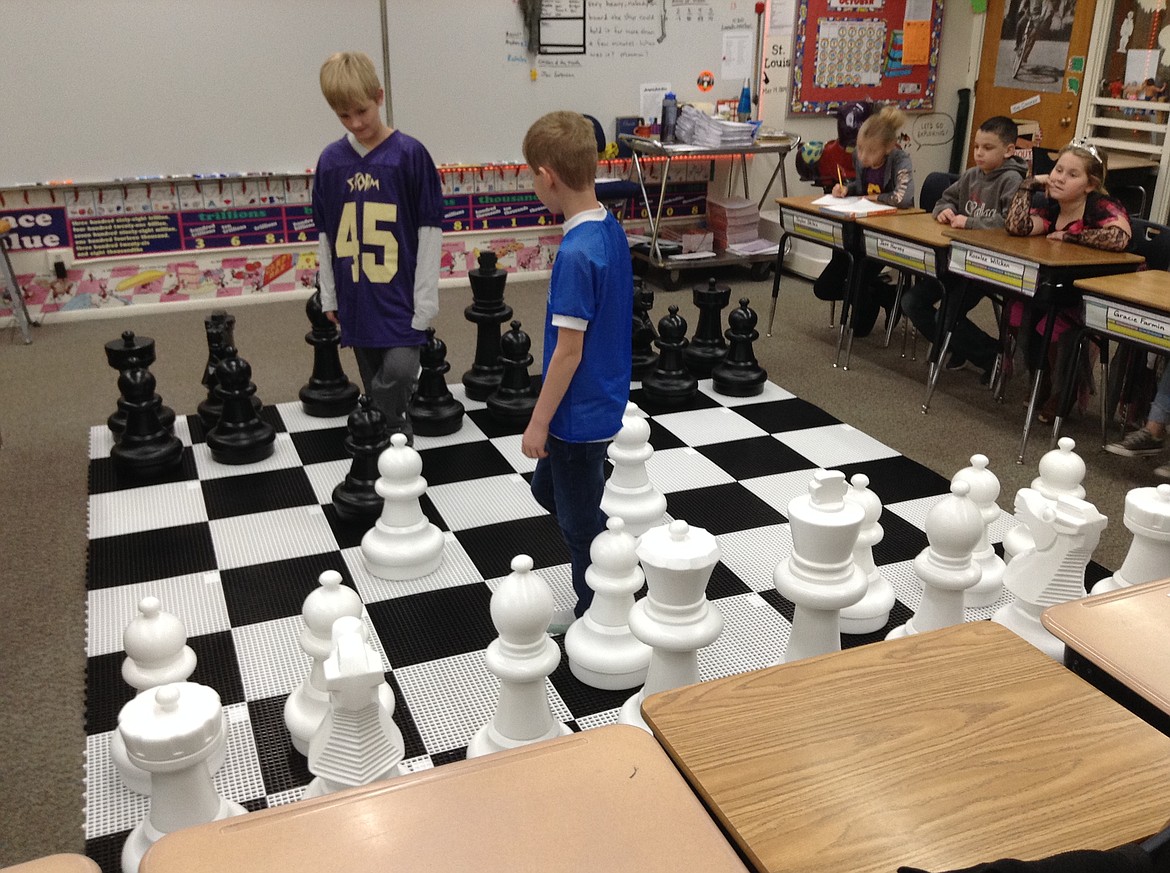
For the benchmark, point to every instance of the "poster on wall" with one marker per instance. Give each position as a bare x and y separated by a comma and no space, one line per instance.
885,50
1033,45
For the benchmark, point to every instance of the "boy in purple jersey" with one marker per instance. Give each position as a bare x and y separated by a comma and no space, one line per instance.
586,343
378,207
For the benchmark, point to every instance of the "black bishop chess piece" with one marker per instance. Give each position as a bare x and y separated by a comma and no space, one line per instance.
329,392
739,374
433,411
671,383
355,498
707,347
487,312
126,353
220,327
513,401
146,448
643,357
240,436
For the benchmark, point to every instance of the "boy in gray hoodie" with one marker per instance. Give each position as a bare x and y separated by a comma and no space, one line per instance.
979,199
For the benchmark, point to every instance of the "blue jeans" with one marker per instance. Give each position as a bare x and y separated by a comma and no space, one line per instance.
1160,410
569,484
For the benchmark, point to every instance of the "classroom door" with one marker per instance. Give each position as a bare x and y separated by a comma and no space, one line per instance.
1034,54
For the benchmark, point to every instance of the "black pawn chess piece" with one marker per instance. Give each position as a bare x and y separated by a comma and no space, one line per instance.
644,358
739,374
328,392
433,411
487,312
513,401
146,448
355,499
126,353
707,347
671,383
220,327
240,436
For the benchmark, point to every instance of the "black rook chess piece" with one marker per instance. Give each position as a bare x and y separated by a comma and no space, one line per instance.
487,311
126,353
643,358
328,393
240,436
670,383
433,411
707,347
146,448
513,401
740,374
355,499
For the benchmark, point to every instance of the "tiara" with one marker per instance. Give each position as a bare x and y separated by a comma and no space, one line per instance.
1086,146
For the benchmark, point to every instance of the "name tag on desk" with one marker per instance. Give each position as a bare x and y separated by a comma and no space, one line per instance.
1121,320
811,227
899,253
1003,270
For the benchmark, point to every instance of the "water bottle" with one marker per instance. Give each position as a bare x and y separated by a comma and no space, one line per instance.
669,116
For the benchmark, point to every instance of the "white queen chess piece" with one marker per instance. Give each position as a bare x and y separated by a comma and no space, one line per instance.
871,612
629,494
1061,472
984,491
1147,515
402,544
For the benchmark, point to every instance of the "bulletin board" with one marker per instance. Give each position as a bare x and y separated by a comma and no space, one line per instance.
880,50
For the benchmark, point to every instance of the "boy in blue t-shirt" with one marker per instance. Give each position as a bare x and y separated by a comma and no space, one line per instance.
378,207
586,343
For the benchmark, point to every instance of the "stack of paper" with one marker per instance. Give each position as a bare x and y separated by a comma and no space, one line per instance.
733,221
853,206
699,129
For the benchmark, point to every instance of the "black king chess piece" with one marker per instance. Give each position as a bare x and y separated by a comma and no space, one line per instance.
707,347
146,448
643,357
513,401
328,392
670,383
240,436
740,374
355,498
433,411
487,312
126,353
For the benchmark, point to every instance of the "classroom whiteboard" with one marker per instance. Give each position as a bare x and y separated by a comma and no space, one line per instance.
460,71
96,90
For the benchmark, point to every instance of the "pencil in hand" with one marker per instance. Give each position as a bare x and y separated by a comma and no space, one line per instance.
840,181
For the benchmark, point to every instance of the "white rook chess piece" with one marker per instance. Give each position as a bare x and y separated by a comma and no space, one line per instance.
156,654
675,618
603,651
1061,472
820,575
1147,515
522,657
171,732
872,611
357,742
1052,571
984,491
402,544
946,567
629,494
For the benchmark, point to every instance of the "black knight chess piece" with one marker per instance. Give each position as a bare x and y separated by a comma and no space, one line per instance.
328,392
124,354
240,436
433,411
739,374
146,448
643,356
487,312
671,383
707,347
220,327
513,401
355,498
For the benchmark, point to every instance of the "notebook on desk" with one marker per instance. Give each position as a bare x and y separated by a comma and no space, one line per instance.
853,206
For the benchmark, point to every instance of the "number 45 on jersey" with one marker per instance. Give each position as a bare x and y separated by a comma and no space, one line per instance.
354,236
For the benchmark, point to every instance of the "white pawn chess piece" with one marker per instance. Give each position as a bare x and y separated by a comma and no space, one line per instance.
603,652
1052,571
946,567
402,544
675,618
156,654
522,657
984,491
357,742
629,494
1147,515
171,732
1061,472
820,575
871,612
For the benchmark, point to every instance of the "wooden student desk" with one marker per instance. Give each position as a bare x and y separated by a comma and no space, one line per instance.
605,799
939,751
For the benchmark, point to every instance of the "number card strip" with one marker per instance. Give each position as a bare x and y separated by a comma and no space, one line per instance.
1007,272
899,253
1135,324
811,227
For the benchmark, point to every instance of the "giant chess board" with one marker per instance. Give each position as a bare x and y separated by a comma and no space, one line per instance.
234,551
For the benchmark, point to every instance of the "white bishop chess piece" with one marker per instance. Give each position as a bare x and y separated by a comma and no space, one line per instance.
984,491
871,612
522,657
1061,472
171,732
820,575
402,544
629,494
1147,515
946,567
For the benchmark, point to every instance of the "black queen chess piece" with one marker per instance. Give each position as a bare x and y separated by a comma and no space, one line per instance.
125,353
240,436
146,448
329,392
487,312
643,357
220,327
355,498
670,383
433,411
739,374
513,401
707,347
